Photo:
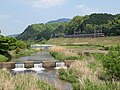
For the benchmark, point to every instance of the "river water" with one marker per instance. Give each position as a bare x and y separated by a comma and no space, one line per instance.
50,76
39,56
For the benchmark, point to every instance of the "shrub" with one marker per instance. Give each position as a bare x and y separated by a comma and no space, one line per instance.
58,55
111,63
3,58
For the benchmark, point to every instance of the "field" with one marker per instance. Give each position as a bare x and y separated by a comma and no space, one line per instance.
106,41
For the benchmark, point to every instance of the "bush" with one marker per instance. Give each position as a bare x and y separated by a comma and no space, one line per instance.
3,58
21,44
111,63
58,55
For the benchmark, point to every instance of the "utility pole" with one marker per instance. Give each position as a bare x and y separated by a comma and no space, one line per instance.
94,31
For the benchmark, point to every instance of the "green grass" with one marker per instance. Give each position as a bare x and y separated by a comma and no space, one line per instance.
104,85
3,58
84,47
60,56
70,77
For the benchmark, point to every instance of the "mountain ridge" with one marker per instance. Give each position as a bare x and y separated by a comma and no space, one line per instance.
60,20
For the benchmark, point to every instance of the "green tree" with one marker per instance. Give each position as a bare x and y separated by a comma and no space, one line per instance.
89,28
73,25
21,44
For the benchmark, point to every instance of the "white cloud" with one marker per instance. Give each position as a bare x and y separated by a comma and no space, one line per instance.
3,16
84,9
43,3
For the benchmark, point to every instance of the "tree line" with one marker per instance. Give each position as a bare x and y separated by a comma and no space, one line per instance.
99,23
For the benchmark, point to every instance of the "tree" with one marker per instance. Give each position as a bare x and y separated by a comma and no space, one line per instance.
74,24
89,28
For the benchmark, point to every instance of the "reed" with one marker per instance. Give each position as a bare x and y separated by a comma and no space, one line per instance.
22,82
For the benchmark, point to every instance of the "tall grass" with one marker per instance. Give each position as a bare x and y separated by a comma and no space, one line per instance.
22,82
86,78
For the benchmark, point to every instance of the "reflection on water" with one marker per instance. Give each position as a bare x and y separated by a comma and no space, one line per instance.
43,55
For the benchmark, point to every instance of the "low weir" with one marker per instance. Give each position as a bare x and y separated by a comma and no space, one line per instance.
19,67
60,65
31,64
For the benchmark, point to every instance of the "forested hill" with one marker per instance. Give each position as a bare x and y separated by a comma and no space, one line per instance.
105,23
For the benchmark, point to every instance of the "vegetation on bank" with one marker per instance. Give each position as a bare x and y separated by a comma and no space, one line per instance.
86,82
111,63
71,77
3,58
98,71
8,44
60,53
22,82
23,52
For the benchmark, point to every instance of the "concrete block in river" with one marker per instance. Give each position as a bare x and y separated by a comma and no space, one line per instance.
49,64
8,65
29,64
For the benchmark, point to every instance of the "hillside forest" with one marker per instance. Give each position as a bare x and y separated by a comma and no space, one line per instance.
98,23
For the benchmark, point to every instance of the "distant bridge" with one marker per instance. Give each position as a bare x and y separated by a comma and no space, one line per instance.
44,46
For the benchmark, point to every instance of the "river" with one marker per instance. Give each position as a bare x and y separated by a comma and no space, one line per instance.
50,76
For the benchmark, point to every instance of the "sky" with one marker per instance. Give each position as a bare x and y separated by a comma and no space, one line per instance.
16,15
